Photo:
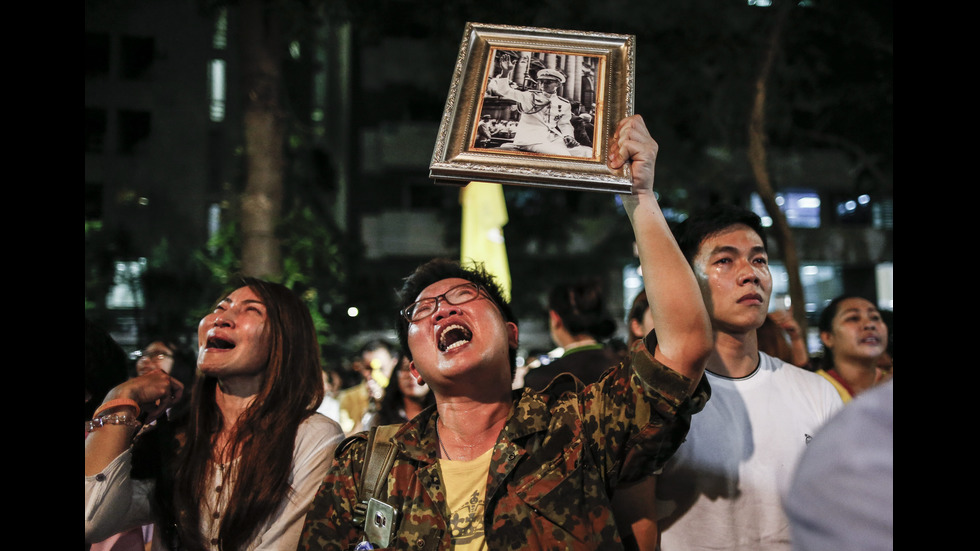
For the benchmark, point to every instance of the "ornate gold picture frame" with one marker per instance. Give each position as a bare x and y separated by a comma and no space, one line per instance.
535,107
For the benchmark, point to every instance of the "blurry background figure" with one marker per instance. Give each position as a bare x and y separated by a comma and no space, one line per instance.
780,337
332,384
156,355
578,321
165,353
375,362
855,338
381,357
354,401
841,494
404,398
173,358
640,321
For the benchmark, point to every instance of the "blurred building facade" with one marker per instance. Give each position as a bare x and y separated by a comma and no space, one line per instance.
163,159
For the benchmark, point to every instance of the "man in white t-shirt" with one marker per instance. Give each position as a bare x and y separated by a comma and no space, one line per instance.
722,489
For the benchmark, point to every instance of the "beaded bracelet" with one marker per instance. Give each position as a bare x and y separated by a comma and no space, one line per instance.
122,418
116,403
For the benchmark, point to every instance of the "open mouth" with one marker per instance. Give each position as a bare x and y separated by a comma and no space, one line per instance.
219,343
453,337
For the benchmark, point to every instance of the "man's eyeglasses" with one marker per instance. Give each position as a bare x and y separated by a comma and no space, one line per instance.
460,294
144,355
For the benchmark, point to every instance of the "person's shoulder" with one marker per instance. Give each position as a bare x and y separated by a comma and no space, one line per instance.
320,429
867,421
552,378
536,378
789,371
772,363
320,422
351,449
807,381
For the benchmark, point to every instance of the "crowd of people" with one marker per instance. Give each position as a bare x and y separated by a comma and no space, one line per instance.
712,428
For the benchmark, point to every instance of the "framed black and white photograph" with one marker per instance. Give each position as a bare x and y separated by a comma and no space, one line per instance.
535,107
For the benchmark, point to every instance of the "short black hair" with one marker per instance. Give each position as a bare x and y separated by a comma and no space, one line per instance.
442,268
639,308
691,232
581,305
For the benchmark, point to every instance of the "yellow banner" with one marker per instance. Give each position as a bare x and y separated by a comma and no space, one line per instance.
484,218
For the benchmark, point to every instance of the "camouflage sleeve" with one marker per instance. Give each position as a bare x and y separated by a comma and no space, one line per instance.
638,415
329,523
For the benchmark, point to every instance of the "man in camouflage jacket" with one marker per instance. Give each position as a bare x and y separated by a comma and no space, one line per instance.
552,471
555,458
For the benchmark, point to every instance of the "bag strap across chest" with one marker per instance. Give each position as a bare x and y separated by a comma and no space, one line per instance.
378,460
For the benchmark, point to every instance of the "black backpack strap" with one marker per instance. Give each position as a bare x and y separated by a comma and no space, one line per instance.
378,460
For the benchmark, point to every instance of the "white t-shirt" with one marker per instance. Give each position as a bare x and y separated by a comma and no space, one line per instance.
722,490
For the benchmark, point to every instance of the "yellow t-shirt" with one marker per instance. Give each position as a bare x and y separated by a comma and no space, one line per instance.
466,484
844,393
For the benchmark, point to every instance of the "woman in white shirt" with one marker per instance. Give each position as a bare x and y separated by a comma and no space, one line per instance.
253,451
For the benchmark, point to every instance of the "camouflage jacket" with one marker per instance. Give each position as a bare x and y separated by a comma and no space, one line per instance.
552,471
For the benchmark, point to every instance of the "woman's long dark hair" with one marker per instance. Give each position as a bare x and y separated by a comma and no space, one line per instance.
263,438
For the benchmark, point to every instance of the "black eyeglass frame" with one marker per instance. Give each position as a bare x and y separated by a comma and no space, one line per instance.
406,312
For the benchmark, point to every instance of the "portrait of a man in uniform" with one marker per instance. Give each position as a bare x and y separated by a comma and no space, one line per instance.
549,95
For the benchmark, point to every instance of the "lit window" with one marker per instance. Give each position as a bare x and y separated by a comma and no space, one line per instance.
800,206
821,282
881,214
214,223
884,282
216,80
857,210
220,39
127,289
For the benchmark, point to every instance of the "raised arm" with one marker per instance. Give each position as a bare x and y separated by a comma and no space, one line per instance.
113,501
684,337
153,393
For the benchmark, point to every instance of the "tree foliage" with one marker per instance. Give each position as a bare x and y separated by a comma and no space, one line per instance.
312,266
